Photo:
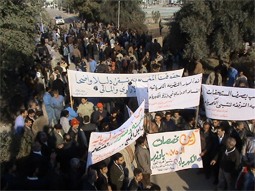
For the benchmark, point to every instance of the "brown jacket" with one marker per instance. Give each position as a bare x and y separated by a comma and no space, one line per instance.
198,68
77,53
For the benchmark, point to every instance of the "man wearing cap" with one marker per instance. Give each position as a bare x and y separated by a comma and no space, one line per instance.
73,131
85,108
100,115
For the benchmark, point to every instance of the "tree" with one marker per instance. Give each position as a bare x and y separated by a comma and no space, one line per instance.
130,11
218,27
107,11
18,31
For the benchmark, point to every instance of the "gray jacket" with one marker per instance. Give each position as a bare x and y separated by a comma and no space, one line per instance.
143,159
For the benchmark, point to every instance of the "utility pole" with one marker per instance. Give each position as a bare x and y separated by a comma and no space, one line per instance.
118,14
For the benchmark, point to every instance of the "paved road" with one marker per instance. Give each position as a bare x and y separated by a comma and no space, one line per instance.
181,180
68,17
164,11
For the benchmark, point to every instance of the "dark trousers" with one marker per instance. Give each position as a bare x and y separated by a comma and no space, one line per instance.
216,169
206,163
226,180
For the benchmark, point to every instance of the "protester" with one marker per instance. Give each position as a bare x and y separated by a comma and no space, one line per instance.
229,164
143,160
232,75
20,121
135,183
108,49
116,172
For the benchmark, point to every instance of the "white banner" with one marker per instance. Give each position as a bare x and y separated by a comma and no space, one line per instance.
177,93
142,93
105,144
229,103
86,84
173,151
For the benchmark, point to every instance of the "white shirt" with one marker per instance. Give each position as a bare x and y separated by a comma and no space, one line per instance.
220,138
39,152
65,124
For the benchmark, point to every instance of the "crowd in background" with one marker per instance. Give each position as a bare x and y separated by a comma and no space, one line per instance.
55,130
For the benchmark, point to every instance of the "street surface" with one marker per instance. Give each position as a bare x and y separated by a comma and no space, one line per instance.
181,180
68,17
164,11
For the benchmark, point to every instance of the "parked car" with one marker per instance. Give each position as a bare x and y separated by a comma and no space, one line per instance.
59,20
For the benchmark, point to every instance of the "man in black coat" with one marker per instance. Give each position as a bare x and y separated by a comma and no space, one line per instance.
169,122
219,146
70,150
89,182
229,163
206,147
116,173
161,125
135,183
59,85
102,181
37,160
88,127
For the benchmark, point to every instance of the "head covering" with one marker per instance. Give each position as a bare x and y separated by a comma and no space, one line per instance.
74,162
100,105
75,122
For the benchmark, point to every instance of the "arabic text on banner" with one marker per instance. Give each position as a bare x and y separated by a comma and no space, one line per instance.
229,103
173,151
86,84
178,93
105,144
142,92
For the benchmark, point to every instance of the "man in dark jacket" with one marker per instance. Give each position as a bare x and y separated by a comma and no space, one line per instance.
161,125
229,163
59,85
89,181
116,173
135,183
206,147
169,122
219,146
102,181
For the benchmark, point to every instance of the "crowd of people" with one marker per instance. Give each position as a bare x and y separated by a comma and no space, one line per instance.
55,130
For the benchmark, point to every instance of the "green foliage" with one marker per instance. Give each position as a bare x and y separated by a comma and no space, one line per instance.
130,11
246,64
9,146
212,27
17,22
107,11
155,16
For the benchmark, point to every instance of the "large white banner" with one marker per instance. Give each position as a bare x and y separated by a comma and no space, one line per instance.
142,91
173,151
86,84
177,93
229,103
105,144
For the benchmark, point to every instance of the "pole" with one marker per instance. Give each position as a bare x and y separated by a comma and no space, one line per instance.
196,119
118,14
70,91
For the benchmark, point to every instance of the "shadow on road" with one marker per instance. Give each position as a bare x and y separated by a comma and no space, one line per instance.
195,181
